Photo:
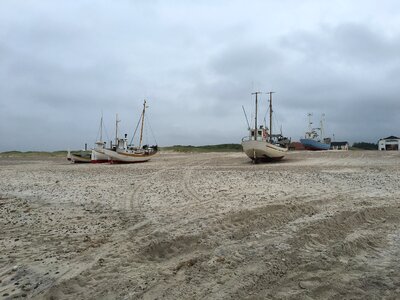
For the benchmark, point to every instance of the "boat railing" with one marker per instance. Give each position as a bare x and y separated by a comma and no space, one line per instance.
251,138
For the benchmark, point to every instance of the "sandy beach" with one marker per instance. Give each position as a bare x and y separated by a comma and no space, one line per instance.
317,225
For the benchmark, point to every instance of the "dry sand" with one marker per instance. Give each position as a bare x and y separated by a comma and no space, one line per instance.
193,226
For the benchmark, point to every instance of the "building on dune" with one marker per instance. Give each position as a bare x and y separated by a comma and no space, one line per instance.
339,146
389,143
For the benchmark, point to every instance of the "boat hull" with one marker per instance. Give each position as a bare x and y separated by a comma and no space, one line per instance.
313,145
115,157
262,150
98,157
78,159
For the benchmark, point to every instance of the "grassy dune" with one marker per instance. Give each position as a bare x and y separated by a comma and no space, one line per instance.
176,148
60,153
206,148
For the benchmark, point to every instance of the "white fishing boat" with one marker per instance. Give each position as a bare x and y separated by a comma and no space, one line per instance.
261,144
123,152
130,155
98,155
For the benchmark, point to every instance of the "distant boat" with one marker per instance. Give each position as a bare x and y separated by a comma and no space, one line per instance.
86,156
124,153
262,145
97,155
82,156
313,140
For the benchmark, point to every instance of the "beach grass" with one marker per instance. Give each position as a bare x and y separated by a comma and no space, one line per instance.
175,148
22,154
205,148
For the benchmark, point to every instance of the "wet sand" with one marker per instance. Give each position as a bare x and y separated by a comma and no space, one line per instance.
317,225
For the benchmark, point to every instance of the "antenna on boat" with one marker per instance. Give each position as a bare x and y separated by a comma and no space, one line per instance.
101,127
270,115
141,129
322,125
255,117
247,120
309,121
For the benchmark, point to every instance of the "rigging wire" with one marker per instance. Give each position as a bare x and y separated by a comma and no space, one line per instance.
98,133
137,126
151,130
105,130
267,116
275,119
146,131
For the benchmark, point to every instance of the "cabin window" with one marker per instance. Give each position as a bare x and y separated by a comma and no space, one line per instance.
258,134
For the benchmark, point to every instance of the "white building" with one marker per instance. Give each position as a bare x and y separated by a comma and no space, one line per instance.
389,143
339,146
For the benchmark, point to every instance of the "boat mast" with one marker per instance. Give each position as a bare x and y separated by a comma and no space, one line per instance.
116,129
255,117
322,126
308,134
141,129
270,116
101,127
309,121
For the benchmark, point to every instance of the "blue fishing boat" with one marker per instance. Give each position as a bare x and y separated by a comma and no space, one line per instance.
311,144
314,140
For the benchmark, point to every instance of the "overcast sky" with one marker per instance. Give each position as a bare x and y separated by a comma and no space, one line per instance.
63,63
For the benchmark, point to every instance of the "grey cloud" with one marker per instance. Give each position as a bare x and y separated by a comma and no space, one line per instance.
348,43
61,64
241,61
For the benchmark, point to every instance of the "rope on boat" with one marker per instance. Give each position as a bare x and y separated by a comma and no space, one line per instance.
137,126
151,130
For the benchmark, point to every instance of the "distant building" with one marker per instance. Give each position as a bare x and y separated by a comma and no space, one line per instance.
389,143
339,146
